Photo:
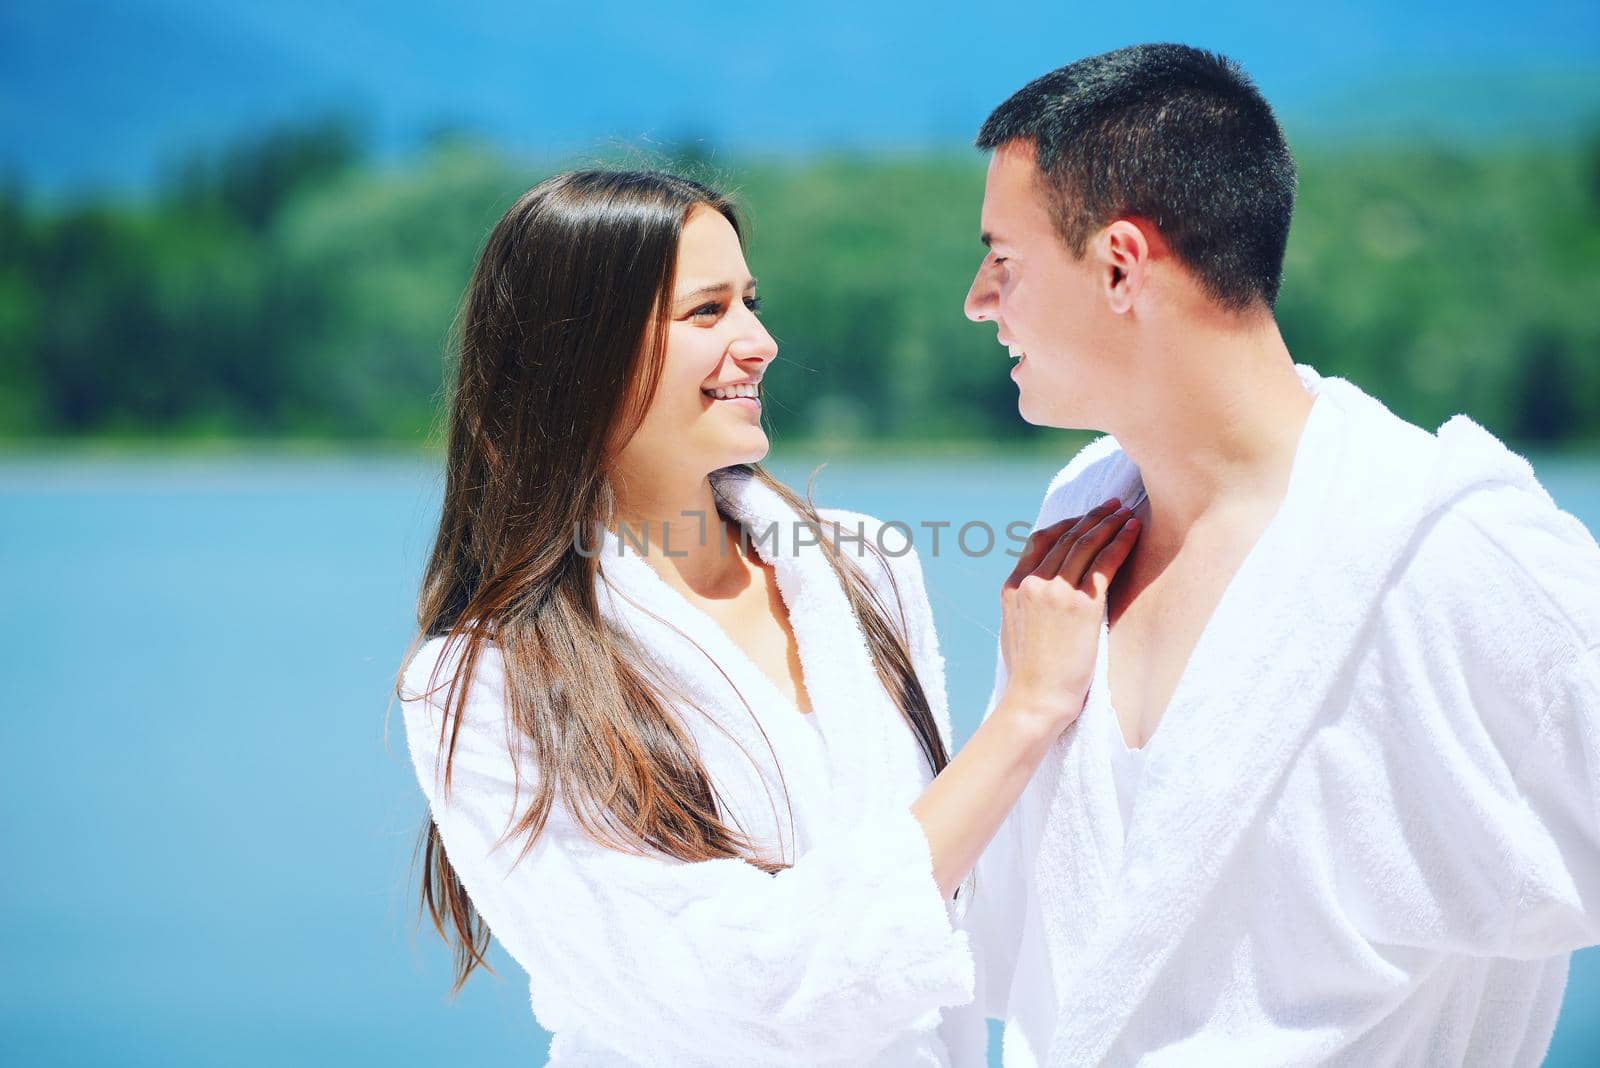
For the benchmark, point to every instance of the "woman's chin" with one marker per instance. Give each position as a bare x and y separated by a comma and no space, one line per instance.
752,448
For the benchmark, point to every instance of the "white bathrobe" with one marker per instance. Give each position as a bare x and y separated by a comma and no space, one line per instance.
846,958
1368,831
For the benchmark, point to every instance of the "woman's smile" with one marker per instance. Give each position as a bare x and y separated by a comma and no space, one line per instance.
751,403
739,394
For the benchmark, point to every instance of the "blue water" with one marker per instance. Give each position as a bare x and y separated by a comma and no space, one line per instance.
208,835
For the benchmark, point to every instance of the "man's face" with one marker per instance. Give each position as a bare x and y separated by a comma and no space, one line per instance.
1048,306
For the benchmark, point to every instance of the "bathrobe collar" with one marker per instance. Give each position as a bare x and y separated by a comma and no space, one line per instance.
1268,666
868,756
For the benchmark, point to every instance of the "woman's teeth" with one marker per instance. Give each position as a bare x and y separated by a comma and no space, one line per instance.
1016,353
748,389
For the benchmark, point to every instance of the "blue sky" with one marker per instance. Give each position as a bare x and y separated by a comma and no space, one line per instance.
97,94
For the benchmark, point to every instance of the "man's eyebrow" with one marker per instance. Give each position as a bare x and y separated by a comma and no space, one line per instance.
987,238
713,290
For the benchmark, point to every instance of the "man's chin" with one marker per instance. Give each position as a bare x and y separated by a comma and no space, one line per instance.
1032,414
1029,410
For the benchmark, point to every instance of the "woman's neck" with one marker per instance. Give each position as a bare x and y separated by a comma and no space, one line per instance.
682,535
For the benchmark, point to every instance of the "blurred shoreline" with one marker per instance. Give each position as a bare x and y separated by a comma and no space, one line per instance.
1058,443
294,294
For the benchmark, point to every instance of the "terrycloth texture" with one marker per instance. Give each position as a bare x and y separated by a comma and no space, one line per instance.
1368,832
846,958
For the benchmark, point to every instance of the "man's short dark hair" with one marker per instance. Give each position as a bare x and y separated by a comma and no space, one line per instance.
1175,134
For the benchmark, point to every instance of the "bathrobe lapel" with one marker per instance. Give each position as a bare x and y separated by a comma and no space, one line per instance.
1274,659
759,749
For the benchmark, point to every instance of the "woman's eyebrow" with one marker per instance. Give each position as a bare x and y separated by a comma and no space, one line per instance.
715,290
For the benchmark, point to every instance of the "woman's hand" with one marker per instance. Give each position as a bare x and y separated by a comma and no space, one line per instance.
1050,611
1051,608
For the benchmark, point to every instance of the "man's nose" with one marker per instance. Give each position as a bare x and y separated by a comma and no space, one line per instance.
980,298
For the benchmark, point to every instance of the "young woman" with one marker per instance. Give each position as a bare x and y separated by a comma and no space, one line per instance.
684,738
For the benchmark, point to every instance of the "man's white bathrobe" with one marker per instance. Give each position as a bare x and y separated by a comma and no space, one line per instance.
846,958
1368,829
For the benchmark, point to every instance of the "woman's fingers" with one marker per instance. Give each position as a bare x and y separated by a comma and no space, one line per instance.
1111,557
1049,625
1075,567
1039,543
1043,540
1071,555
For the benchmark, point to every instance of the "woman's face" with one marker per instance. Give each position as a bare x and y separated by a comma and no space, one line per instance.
706,412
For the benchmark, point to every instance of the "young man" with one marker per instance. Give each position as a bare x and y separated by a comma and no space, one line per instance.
1334,796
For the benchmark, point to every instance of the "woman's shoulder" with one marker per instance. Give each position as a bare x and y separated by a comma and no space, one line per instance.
430,679
892,537
885,550
483,748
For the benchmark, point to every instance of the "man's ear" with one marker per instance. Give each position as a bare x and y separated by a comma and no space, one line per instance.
1124,252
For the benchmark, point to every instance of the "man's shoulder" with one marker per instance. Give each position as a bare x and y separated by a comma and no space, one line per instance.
1504,560
1084,482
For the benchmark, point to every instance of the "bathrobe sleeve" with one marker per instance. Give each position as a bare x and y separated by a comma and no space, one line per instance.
1555,904
713,962
991,904
903,589
1502,598
996,911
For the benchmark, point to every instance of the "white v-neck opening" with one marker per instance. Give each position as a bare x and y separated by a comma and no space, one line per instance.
1140,751
1194,664
787,705
1127,771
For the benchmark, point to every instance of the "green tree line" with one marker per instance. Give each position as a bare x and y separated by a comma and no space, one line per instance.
291,285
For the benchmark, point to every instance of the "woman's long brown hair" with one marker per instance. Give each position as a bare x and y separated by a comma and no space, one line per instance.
559,343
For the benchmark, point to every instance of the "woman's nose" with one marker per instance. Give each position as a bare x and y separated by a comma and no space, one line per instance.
755,344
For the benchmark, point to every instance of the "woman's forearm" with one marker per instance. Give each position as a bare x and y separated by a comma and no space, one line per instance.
964,806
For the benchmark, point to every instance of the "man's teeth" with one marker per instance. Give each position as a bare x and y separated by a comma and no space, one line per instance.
1016,353
748,389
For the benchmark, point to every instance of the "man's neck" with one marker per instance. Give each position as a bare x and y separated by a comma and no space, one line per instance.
1220,433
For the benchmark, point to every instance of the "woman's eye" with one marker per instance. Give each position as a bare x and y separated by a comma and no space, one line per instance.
753,303
999,260
706,309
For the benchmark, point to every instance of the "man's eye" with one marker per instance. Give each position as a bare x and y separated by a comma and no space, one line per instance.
999,259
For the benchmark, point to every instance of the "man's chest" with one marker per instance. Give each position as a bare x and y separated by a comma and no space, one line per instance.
1156,621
